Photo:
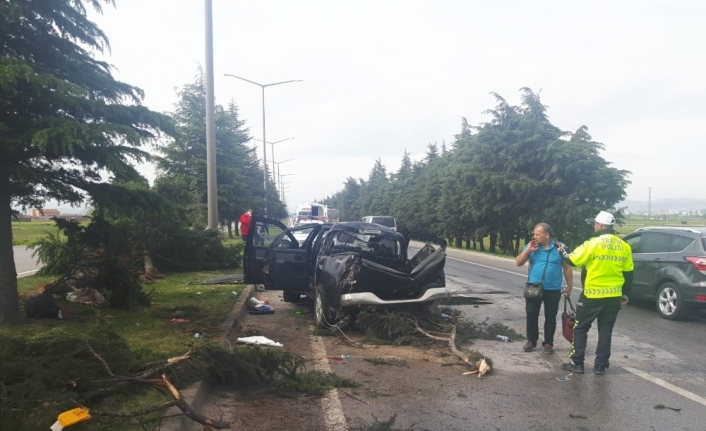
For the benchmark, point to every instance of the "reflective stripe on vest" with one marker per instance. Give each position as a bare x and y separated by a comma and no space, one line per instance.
606,258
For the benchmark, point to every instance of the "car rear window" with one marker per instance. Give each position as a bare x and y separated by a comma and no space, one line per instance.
654,242
679,243
384,221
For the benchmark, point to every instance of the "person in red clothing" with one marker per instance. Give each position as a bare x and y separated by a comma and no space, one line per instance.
245,220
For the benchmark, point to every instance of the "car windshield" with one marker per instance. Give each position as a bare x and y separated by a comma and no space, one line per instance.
384,221
367,243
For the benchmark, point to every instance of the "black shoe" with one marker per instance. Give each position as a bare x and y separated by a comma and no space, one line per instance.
578,369
599,370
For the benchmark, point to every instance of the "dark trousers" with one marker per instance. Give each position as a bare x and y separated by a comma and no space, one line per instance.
605,312
550,299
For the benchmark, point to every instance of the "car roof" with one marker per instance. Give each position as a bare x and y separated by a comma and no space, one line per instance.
674,229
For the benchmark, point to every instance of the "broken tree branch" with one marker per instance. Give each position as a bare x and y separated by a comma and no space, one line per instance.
355,398
102,361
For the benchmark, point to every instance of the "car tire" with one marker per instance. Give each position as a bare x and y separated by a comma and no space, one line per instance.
290,296
669,302
322,311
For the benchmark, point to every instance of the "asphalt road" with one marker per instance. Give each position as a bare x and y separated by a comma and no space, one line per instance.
656,380
24,262
654,361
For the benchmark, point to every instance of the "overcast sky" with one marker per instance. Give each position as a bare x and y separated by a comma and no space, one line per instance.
383,76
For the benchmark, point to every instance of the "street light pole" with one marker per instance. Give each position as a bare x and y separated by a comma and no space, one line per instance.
264,137
281,183
272,144
211,185
279,179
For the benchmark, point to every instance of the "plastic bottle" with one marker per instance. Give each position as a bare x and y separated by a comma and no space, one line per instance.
504,338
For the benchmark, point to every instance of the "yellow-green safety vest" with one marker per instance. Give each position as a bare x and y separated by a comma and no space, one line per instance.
605,257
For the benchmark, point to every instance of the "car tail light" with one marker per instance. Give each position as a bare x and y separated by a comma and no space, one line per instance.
699,262
701,298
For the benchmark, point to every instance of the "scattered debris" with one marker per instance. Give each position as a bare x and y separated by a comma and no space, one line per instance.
387,360
566,378
378,426
482,367
573,416
71,417
255,306
354,397
314,382
86,296
224,279
259,340
662,406
179,320
338,358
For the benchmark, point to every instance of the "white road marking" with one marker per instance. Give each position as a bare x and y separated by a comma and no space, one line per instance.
22,274
492,267
676,389
334,420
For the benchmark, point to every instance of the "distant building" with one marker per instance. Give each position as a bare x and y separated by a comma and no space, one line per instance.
44,214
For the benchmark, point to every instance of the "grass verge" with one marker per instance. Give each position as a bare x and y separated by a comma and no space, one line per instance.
47,362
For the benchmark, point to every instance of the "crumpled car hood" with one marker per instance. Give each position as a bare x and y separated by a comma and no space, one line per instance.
348,272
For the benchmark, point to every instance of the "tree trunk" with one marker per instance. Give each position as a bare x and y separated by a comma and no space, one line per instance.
493,242
468,243
482,244
457,242
9,299
151,272
230,228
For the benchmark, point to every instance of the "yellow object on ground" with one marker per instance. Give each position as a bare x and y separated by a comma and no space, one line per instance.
71,417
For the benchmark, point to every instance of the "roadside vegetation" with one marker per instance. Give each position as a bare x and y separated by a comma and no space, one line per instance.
51,365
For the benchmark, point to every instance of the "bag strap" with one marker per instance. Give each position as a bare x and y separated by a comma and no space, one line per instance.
567,299
545,266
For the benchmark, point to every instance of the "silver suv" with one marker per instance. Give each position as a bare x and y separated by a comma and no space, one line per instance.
670,268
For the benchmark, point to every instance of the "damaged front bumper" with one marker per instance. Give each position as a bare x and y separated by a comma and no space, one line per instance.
368,298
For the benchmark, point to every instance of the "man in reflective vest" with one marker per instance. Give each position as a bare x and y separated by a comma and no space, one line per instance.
607,281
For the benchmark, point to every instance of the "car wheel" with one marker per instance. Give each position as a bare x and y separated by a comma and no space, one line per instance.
289,296
322,310
669,302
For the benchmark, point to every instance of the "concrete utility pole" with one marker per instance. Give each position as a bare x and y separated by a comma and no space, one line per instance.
212,186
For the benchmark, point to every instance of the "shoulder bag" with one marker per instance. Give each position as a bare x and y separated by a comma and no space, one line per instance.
568,318
535,290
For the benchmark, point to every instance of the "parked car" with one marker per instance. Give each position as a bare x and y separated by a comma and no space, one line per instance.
670,268
387,221
346,266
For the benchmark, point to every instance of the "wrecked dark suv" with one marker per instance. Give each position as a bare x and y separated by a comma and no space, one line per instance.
347,265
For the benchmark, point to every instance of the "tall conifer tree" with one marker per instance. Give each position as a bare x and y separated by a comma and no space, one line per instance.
64,119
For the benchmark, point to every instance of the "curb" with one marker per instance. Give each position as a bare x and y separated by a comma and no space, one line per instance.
195,395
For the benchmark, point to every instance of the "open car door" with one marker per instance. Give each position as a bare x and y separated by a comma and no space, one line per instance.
257,244
288,261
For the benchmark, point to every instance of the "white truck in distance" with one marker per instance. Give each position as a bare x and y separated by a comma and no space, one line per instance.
315,211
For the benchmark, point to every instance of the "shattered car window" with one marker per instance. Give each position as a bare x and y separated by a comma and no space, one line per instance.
368,242
385,221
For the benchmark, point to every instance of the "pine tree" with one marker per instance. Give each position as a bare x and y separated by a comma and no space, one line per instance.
64,119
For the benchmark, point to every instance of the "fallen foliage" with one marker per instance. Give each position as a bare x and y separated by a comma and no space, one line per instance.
314,383
407,328
376,425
